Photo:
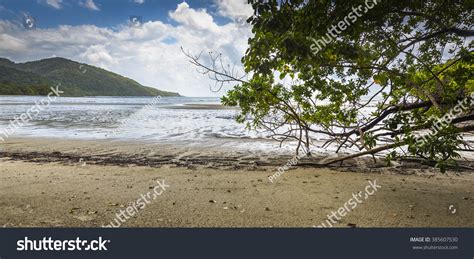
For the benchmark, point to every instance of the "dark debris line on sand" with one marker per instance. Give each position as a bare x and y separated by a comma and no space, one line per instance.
218,162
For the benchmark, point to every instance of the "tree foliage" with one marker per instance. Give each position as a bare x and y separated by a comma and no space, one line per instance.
378,85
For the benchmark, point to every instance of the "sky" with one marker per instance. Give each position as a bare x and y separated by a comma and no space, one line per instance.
101,33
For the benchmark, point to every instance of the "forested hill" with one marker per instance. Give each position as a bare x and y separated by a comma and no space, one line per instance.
36,77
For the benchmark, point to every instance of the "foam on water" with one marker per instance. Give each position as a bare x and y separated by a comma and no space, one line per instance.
183,120
118,118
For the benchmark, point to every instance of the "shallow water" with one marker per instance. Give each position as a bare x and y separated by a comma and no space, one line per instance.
187,120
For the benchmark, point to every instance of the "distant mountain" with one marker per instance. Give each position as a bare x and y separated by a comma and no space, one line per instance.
17,82
36,77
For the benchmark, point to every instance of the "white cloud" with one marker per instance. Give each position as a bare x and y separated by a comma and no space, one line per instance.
139,1
150,54
56,4
234,8
12,44
99,55
89,4
194,19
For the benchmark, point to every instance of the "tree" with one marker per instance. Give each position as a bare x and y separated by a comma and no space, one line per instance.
371,75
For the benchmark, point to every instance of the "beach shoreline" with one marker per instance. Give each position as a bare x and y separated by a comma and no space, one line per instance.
222,156
77,183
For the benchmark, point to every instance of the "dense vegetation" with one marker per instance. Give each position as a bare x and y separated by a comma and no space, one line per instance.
16,82
411,60
35,78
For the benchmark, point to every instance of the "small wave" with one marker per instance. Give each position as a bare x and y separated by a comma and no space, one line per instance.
226,117
240,136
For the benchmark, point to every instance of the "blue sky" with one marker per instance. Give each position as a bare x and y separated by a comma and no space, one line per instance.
109,13
98,32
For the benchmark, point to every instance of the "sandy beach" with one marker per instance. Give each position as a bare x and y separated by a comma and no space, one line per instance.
59,183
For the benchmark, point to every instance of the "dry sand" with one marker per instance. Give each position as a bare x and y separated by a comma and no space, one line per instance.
42,184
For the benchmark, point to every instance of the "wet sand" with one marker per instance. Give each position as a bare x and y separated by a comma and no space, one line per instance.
46,183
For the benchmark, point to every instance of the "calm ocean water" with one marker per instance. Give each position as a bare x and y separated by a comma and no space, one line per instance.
179,120
173,119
